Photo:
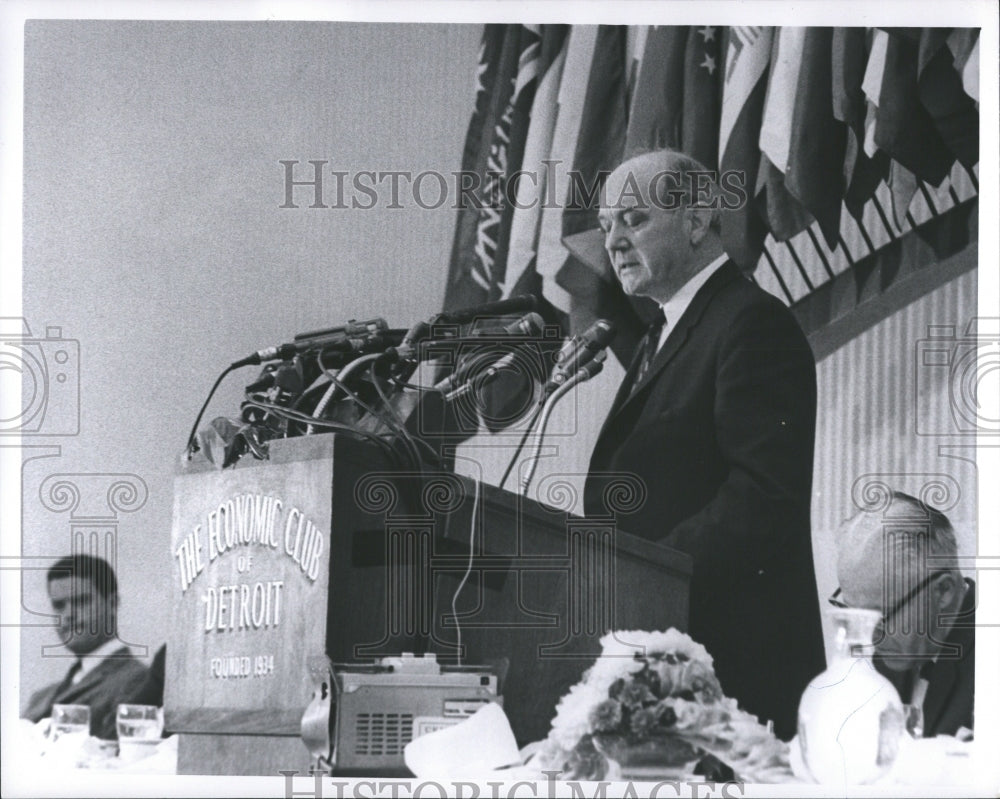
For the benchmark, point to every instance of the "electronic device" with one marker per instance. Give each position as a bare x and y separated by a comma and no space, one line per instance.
363,715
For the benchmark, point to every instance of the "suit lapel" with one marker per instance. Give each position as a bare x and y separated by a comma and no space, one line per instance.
946,669
724,275
92,677
939,691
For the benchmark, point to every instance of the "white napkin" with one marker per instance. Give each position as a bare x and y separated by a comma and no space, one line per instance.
477,745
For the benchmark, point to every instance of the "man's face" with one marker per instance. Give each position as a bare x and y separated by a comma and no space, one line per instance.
649,243
86,618
905,637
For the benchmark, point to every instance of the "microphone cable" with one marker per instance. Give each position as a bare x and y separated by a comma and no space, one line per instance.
468,570
298,416
412,451
191,443
524,440
401,423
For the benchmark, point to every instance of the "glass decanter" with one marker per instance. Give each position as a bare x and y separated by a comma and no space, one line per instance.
851,719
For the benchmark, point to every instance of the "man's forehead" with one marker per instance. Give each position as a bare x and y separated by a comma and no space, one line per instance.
621,195
876,567
628,179
71,585
635,182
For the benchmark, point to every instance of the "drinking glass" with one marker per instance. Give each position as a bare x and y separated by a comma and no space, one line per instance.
139,730
70,721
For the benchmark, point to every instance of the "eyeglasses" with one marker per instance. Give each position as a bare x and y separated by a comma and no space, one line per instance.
894,610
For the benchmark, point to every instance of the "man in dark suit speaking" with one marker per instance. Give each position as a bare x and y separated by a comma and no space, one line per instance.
716,416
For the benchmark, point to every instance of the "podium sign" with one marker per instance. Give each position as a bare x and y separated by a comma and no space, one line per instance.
250,555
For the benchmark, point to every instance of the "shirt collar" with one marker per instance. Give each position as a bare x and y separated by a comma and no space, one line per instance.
93,659
674,308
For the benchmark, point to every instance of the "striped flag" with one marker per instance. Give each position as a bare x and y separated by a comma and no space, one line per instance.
748,54
586,273
818,140
657,104
521,276
601,139
572,91
785,214
506,78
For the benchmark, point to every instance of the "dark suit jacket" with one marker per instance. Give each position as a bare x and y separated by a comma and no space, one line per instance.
721,431
951,679
117,679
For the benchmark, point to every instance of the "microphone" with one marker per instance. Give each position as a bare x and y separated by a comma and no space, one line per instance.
480,380
601,329
593,367
528,326
336,342
520,304
403,354
579,351
353,329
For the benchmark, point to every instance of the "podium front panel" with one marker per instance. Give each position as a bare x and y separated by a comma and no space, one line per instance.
250,550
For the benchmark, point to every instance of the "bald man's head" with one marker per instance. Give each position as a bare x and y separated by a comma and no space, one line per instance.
901,561
660,220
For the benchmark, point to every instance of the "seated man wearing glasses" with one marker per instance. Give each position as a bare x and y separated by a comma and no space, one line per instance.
902,561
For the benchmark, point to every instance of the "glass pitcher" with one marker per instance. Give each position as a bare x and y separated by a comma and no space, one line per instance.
851,719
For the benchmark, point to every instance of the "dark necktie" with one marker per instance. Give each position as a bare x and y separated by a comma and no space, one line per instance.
68,679
650,344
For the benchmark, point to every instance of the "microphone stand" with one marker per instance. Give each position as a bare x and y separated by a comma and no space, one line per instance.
342,377
583,374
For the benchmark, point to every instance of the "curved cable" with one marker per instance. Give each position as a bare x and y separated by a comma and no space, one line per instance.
522,442
191,443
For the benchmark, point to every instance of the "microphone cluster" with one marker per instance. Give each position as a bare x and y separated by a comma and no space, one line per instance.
354,338
294,371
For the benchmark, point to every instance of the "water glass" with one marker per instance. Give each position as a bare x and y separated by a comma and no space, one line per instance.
140,728
70,721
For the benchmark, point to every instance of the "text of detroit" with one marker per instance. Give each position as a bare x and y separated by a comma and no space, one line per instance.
242,607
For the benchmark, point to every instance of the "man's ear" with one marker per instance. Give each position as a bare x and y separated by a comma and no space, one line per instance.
946,589
700,219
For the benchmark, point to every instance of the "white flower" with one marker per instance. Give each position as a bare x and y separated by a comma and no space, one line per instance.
689,714
618,660
572,714
628,642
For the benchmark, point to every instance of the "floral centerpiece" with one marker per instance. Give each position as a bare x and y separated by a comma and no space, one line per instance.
651,704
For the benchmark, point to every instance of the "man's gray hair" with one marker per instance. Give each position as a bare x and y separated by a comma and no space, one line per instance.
685,174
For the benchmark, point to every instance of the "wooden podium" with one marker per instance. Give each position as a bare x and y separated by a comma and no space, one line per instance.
325,549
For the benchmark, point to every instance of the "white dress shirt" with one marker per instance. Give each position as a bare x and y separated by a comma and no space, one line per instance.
92,660
674,308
